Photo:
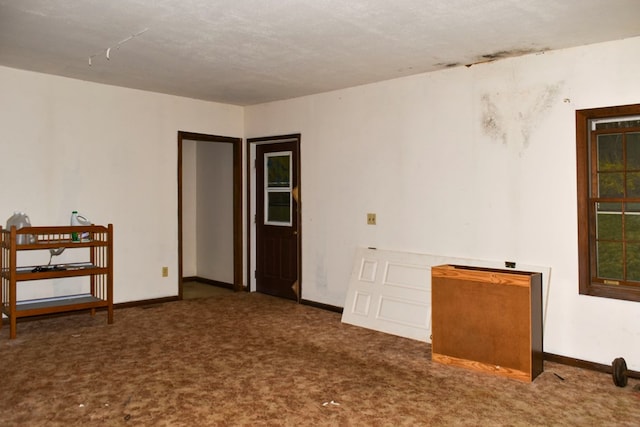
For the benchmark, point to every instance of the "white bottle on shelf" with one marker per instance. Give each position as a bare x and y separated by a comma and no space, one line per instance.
74,221
77,219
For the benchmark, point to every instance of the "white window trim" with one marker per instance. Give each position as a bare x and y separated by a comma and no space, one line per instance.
268,189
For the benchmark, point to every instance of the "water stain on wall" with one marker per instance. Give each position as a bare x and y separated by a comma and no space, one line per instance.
542,104
492,120
513,118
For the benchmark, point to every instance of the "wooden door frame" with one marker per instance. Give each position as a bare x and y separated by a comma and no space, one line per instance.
251,183
237,202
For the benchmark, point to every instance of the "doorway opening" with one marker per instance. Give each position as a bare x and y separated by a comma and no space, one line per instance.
274,220
232,184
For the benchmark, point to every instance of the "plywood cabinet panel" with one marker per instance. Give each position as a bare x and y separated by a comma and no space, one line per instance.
488,320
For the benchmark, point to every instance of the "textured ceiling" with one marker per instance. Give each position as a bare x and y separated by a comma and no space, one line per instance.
247,52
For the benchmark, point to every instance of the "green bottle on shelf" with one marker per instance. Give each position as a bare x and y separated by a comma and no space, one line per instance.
75,237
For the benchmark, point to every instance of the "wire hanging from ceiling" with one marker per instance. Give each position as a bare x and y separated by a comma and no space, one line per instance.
107,51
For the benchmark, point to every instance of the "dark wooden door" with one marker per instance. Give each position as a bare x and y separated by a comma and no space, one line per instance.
277,228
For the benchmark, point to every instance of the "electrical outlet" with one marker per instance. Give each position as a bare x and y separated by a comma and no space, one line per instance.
371,219
165,271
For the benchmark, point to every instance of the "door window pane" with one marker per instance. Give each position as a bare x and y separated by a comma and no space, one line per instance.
279,207
278,171
278,188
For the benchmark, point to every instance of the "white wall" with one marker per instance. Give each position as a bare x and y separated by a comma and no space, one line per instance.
110,153
474,162
215,211
189,199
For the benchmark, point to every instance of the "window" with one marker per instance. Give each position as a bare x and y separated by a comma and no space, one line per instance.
608,166
278,188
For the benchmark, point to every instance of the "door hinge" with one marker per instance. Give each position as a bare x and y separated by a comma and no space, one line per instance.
254,218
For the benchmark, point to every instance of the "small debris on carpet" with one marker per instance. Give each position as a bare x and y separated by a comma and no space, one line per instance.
559,377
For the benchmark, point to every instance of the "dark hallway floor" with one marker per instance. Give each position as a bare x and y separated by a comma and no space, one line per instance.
195,290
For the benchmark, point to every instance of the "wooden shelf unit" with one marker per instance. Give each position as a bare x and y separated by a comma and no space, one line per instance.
489,320
99,267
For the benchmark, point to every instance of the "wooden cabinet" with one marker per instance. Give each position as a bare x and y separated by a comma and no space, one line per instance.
488,320
97,247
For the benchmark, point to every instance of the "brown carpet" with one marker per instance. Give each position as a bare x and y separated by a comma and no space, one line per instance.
252,360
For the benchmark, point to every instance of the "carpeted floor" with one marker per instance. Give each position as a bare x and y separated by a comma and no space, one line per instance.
194,289
254,360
